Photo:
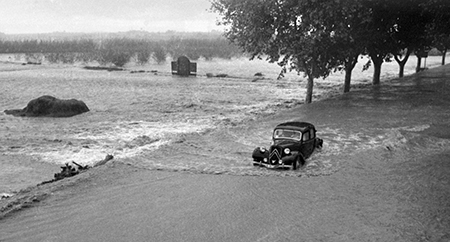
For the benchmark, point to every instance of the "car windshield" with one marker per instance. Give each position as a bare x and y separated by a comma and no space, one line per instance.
287,134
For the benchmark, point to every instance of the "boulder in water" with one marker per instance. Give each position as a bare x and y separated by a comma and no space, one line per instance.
48,106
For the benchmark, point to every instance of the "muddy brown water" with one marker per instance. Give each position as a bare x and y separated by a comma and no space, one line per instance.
383,175
405,118
133,115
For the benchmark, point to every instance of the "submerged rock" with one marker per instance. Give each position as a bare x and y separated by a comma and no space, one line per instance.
48,106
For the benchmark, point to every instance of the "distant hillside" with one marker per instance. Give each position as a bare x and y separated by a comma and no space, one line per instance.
118,48
129,34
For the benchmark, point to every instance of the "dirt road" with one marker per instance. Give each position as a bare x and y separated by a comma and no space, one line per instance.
396,188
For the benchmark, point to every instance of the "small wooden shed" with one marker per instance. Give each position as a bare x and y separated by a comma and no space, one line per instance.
184,67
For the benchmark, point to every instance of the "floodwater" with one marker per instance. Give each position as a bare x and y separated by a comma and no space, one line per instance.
134,116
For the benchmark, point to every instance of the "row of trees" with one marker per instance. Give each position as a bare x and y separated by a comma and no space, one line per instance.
317,37
119,51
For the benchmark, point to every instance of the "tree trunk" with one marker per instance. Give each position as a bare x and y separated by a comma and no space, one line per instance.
444,53
376,74
348,72
401,63
377,62
419,63
348,76
309,89
401,72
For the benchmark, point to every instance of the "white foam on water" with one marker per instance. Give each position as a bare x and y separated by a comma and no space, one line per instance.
91,155
416,128
120,139
127,131
338,140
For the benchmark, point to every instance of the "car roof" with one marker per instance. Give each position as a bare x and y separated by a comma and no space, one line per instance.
296,125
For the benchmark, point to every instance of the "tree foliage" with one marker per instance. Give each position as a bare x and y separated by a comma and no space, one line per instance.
318,36
159,54
438,26
290,33
105,50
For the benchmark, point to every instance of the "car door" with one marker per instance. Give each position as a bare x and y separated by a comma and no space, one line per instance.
308,143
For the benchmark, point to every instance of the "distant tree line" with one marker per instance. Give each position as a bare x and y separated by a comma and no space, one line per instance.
119,51
317,37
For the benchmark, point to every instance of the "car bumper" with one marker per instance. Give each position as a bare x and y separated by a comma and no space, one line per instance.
271,166
285,162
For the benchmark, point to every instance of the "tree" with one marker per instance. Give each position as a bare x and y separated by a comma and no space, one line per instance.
295,34
442,43
115,51
408,31
438,26
159,54
316,36
350,22
378,42
143,55
415,21
117,57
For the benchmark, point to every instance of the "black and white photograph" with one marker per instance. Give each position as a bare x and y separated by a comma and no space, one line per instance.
224,120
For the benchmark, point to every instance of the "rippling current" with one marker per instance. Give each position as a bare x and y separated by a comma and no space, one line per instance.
130,114
133,115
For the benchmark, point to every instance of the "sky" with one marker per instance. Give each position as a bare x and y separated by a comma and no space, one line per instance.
46,16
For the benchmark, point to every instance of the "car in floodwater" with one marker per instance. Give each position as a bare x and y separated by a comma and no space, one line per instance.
292,143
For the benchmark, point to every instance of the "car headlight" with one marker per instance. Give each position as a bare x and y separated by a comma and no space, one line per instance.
262,149
287,151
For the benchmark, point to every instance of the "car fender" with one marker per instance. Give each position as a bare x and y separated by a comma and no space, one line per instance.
295,154
291,158
258,155
299,155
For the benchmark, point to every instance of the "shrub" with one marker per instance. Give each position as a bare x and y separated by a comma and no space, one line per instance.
85,57
118,51
34,57
143,56
434,52
117,57
159,54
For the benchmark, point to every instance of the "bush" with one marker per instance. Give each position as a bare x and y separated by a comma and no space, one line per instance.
434,52
85,57
117,57
159,54
34,57
143,56
118,51
115,51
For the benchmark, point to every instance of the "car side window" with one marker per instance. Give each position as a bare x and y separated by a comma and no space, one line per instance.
313,134
306,136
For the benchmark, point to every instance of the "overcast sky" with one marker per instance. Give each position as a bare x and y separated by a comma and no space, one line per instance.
44,16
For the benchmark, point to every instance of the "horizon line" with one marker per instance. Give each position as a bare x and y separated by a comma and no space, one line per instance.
117,32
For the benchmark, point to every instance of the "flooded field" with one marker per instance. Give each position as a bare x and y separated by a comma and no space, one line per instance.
142,117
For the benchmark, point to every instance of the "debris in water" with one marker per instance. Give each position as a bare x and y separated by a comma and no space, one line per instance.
5,195
68,170
102,162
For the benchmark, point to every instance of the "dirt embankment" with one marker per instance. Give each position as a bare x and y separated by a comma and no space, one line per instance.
383,175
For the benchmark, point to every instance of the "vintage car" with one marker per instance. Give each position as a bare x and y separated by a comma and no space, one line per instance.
292,143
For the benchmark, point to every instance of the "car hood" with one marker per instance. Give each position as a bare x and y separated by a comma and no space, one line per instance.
282,144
